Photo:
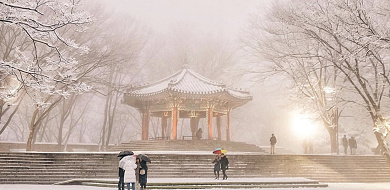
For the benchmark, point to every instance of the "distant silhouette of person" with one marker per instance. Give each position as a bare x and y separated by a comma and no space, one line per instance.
224,165
199,134
273,142
217,166
353,145
345,144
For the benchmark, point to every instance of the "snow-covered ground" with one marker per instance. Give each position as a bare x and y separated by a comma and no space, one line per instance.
332,186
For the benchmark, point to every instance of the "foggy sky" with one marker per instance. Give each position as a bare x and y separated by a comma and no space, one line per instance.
205,17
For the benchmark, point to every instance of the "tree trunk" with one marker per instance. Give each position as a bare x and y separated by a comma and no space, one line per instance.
32,129
111,121
382,144
20,98
333,139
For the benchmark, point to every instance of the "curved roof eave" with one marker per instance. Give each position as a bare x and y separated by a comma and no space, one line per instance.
227,94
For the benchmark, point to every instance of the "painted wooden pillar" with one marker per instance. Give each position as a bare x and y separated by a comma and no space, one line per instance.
228,125
145,124
219,127
210,122
164,124
175,115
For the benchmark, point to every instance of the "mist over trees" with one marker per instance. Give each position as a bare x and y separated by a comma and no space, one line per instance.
42,53
334,53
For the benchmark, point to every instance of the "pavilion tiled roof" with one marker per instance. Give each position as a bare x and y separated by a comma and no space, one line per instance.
187,82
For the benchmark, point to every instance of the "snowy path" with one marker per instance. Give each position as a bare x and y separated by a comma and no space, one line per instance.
332,186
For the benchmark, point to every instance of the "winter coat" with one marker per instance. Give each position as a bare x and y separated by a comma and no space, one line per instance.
224,163
129,168
137,170
352,143
345,142
143,179
273,140
217,164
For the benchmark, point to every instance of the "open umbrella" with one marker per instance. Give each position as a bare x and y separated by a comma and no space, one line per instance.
219,151
125,160
125,153
144,158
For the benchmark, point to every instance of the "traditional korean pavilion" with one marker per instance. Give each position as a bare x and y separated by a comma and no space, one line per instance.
185,95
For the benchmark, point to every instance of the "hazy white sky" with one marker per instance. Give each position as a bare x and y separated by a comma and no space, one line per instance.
214,17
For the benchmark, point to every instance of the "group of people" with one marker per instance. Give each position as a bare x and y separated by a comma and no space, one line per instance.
221,162
132,170
351,142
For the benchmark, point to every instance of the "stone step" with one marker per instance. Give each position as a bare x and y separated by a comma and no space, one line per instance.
189,183
184,145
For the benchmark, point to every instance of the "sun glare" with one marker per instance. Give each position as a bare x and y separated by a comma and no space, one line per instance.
302,125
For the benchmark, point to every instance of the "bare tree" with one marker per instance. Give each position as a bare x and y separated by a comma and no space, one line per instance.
350,37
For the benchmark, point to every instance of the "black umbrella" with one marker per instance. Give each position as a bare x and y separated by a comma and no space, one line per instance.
125,153
144,158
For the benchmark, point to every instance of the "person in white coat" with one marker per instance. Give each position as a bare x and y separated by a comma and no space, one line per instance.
129,168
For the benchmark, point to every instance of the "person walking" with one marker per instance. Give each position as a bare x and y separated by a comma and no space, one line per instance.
130,175
199,134
121,183
143,174
217,166
138,163
273,142
353,145
345,144
123,155
224,165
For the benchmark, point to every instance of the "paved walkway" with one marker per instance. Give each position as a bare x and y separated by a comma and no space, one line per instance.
332,186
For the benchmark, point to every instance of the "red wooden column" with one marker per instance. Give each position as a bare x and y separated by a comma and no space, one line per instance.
210,122
219,127
145,124
175,116
228,125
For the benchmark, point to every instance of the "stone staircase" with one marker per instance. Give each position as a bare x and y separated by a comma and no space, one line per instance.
50,168
187,145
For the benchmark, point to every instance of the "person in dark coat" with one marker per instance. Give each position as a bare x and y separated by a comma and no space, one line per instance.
352,144
199,134
138,162
217,166
143,174
224,165
273,142
345,144
121,183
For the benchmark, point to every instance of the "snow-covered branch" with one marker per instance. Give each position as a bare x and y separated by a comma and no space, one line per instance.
43,22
